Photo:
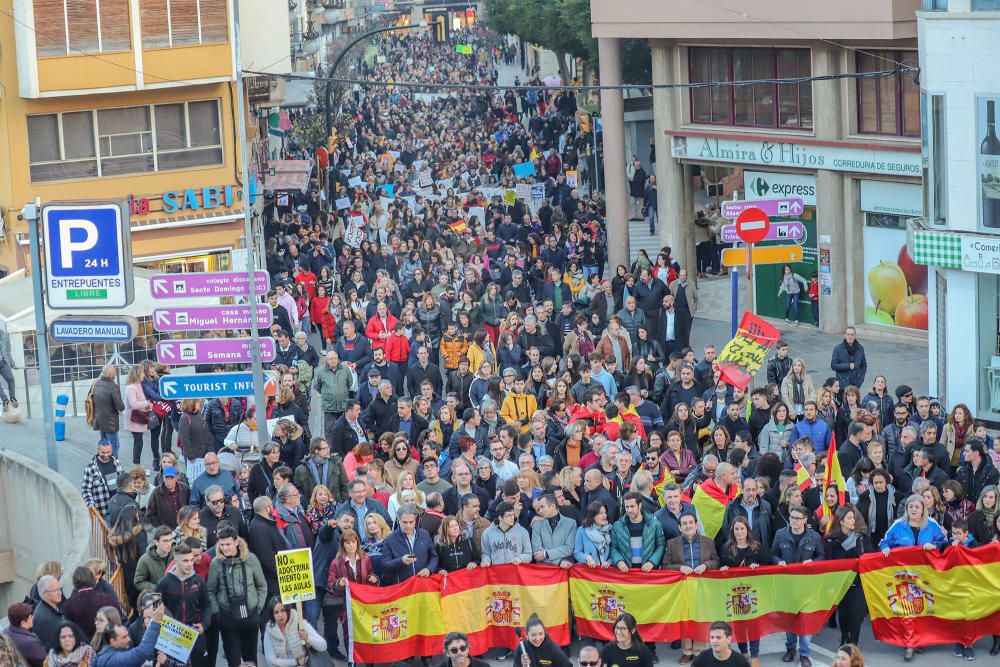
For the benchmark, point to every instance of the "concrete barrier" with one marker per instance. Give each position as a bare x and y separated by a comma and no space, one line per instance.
42,517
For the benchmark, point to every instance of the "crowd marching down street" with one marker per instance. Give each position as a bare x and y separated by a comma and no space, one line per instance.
492,393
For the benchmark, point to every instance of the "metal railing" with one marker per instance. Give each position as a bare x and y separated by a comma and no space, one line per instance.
99,549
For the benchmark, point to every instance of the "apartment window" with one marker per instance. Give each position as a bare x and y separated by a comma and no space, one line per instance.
985,5
126,140
67,27
183,22
888,104
787,105
935,156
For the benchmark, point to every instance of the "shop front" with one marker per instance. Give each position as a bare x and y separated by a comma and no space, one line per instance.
856,199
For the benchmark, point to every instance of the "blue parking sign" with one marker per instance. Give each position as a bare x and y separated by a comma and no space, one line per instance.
88,261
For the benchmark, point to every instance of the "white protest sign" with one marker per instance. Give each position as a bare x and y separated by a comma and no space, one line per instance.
176,639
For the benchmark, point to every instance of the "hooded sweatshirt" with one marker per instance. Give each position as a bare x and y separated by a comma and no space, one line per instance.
501,547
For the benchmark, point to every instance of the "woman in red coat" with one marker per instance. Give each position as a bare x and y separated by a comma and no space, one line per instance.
351,565
322,319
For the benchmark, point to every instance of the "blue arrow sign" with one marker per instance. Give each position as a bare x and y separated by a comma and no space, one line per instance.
211,385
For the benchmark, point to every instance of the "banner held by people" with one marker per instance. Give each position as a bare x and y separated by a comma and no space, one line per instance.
744,355
176,640
397,622
295,575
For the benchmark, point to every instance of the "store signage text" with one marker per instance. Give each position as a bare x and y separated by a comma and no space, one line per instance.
787,154
192,199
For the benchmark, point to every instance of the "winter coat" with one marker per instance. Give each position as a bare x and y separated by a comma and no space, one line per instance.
107,405
519,408
133,657
901,535
341,569
788,391
975,481
376,327
265,542
160,511
185,599
783,548
150,569
771,441
240,575
333,386
94,488
194,436
394,571
840,363
432,322
653,542
135,402
336,478
557,543
676,553
215,417
453,348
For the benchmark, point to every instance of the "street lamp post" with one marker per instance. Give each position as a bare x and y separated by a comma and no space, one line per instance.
342,55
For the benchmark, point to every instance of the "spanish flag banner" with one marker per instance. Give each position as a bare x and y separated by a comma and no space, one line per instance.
670,606
488,604
711,501
919,597
834,477
743,356
395,623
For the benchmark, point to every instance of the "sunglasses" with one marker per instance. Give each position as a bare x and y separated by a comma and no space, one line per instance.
455,650
589,663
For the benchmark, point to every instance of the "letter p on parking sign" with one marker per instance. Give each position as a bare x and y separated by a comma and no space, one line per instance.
88,258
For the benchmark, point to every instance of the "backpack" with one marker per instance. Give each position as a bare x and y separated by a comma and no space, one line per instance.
88,406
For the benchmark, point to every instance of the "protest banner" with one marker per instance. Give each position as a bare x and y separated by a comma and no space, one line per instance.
342,203
524,170
537,191
354,181
509,197
176,639
523,191
743,356
918,597
426,179
571,179
295,575
477,212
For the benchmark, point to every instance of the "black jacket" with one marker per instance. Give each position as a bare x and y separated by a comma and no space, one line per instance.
416,374
457,556
783,548
261,480
215,417
187,600
777,369
547,655
975,481
229,513
380,415
343,438
266,541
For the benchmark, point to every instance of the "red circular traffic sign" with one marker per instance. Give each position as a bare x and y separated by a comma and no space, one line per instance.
753,225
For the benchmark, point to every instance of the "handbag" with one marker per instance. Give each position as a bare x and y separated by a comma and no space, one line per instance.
161,408
140,417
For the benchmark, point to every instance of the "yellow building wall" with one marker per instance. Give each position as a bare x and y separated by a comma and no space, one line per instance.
187,62
75,72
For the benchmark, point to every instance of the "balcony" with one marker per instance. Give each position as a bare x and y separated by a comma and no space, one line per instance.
767,20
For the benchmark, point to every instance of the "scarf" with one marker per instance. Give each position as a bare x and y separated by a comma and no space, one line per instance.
573,453
798,394
600,537
850,541
82,653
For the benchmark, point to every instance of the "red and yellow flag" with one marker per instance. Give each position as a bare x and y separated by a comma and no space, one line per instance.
395,623
459,226
670,606
802,477
834,476
918,598
711,501
743,356
488,604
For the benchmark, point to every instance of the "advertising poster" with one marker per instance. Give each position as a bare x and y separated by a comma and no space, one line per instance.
895,285
988,163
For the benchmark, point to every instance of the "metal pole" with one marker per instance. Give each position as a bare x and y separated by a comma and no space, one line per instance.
31,214
257,367
597,168
734,286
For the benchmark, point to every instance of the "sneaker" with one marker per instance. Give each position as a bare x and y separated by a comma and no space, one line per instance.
969,653
5,404
789,655
503,655
908,654
13,402
804,661
958,651
787,321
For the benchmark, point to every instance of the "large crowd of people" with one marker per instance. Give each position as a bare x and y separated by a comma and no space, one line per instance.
490,393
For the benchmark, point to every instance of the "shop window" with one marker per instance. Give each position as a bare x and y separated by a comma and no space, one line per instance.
888,104
68,27
183,22
129,140
787,105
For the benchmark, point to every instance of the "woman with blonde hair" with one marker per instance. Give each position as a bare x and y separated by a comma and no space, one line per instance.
321,509
406,481
138,411
373,535
797,388
189,525
106,616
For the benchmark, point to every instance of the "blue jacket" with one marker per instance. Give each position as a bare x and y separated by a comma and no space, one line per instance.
133,657
900,535
215,417
396,546
810,547
818,431
584,546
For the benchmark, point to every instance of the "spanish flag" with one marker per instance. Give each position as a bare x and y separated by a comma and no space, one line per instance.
835,477
802,477
459,226
395,623
488,604
918,598
668,605
711,501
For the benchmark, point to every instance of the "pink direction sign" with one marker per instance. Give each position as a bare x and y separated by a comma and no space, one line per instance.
209,317
180,285
211,350
779,231
773,207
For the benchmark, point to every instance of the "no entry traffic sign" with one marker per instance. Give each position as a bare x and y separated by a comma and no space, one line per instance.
752,225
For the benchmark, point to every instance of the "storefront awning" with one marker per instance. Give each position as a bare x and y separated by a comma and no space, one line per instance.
288,175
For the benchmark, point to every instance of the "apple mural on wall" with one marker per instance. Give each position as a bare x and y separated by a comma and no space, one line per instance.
899,291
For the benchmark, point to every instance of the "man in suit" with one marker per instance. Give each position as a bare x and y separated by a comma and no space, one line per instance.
667,327
686,305
682,555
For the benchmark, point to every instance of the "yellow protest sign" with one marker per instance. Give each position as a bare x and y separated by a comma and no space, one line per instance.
176,639
510,197
744,355
295,575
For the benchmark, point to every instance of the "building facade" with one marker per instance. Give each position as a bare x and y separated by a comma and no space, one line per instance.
959,236
127,100
848,147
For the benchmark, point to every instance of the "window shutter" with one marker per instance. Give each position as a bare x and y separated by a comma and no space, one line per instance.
214,21
115,27
184,22
50,28
153,23
82,15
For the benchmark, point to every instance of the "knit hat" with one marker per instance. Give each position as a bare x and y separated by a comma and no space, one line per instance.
902,390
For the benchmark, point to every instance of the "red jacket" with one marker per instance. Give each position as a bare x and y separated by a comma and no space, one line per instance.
339,569
319,313
397,349
375,327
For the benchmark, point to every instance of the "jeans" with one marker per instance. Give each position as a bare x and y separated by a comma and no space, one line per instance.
751,648
7,374
653,218
815,311
113,439
239,640
792,306
803,643
311,610
588,271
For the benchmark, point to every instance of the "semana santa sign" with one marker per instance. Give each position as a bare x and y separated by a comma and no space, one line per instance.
743,356
295,575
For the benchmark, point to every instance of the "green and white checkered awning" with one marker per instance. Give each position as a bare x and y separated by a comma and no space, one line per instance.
942,249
